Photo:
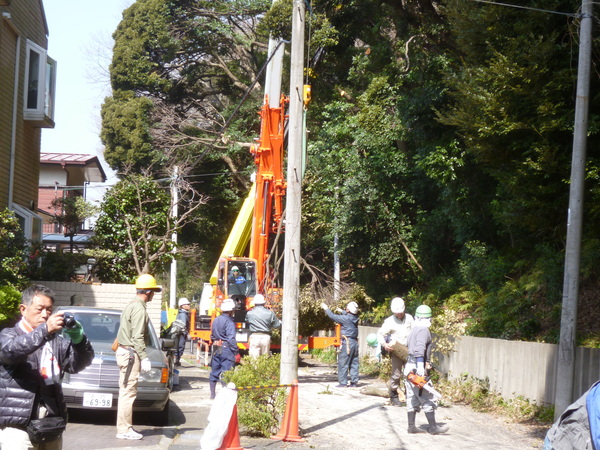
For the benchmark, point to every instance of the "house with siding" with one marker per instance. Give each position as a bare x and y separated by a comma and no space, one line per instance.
65,175
27,95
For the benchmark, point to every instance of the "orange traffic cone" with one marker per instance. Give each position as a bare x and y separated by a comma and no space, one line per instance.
289,426
231,441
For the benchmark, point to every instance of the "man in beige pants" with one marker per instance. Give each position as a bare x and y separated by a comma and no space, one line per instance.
131,353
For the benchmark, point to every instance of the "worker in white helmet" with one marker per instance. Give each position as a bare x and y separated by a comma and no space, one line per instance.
392,336
348,354
261,322
183,315
224,345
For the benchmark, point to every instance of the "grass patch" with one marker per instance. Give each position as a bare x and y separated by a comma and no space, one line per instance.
478,395
326,355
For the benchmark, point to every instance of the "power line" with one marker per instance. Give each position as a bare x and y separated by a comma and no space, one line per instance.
158,180
528,8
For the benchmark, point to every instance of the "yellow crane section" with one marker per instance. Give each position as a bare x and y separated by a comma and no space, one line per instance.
239,237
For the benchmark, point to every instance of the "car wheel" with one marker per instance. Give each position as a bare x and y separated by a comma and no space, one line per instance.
170,382
161,418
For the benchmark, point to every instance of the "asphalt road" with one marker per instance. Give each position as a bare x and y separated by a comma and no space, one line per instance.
329,418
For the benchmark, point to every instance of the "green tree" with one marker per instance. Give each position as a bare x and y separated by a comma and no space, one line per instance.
71,212
136,225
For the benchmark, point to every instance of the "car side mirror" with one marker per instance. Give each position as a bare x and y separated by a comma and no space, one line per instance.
167,343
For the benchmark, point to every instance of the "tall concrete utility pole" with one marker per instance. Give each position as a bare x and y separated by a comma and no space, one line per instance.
291,274
174,213
568,322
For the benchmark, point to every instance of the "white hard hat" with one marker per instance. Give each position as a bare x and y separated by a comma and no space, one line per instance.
398,305
352,307
227,305
259,299
235,268
183,301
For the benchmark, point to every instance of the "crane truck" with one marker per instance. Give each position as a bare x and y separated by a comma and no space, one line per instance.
258,224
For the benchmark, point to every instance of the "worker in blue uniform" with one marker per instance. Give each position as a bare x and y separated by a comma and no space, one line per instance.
224,346
348,352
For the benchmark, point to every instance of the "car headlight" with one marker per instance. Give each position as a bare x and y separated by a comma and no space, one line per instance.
155,375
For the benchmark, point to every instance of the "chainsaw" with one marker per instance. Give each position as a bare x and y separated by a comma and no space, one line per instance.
422,383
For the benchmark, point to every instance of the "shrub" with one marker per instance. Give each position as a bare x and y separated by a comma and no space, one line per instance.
259,410
10,299
13,253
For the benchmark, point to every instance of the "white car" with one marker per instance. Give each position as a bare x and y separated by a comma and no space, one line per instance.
97,386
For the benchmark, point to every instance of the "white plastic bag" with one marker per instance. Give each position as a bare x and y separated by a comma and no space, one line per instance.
218,418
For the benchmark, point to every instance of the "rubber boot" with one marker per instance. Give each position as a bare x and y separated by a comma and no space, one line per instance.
434,428
213,389
412,429
394,397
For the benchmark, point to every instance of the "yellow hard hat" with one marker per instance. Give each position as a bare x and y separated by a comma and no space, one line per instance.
147,281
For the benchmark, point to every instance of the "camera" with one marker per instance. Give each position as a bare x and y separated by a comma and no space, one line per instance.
70,321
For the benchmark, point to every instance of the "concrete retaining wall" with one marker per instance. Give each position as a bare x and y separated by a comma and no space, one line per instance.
111,296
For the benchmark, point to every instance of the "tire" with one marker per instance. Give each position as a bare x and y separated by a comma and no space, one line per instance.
171,363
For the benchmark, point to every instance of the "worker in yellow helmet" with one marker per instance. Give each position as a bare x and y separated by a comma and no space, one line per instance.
131,353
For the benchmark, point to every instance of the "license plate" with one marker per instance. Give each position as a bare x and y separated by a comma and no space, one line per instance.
96,400
241,337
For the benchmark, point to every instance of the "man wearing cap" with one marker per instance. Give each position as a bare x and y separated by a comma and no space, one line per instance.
348,352
224,345
393,336
261,322
131,354
183,316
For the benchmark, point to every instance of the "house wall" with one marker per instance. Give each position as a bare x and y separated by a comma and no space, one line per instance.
45,198
52,174
27,21
8,40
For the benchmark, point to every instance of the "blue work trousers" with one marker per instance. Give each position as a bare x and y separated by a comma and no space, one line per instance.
221,362
348,361
181,341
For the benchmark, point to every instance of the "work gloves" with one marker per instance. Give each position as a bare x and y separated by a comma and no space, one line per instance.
324,306
75,333
421,369
146,366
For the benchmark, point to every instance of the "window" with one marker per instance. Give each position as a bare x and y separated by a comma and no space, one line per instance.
40,86
30,222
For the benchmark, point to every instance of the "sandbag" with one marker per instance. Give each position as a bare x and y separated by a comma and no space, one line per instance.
218,418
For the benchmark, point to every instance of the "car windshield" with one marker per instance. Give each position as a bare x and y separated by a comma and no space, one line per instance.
102,327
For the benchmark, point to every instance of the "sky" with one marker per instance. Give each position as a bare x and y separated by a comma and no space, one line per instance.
80,40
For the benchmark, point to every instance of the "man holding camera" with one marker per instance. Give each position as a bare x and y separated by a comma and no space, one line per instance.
33,359
131,353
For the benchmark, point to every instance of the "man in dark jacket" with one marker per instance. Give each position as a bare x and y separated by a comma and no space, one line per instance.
224,345
348,353
33,359
183,316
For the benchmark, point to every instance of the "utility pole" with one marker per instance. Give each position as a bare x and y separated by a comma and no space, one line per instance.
568,323
291,275
174,213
